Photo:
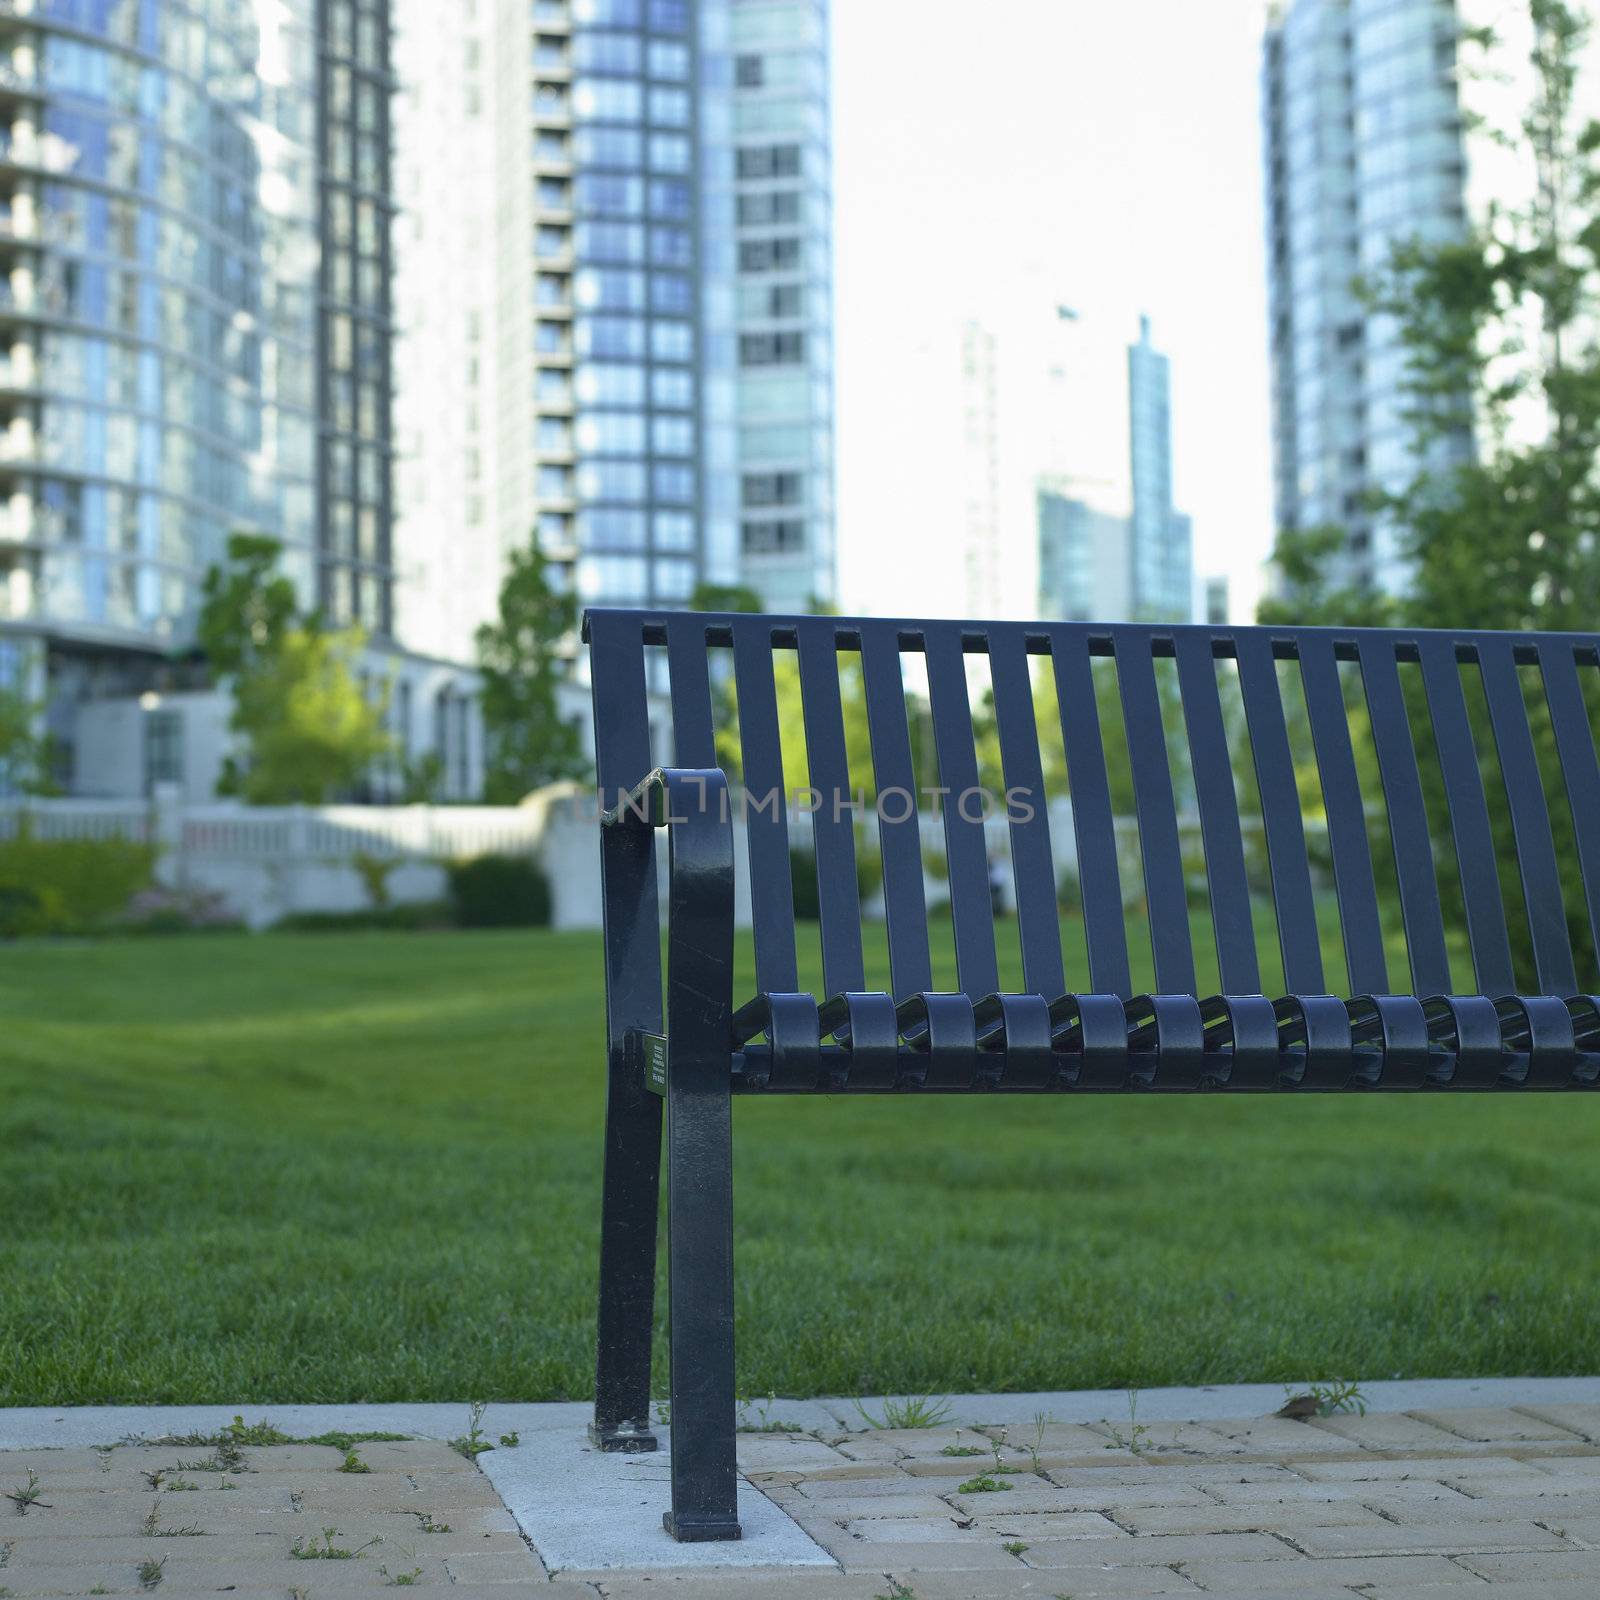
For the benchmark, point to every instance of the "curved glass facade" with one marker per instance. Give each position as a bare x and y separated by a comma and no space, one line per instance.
158,267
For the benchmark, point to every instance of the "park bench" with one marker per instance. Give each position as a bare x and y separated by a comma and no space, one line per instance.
1524,1025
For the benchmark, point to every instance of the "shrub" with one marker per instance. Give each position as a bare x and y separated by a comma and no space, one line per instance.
69,885
803,878
158,910
499,892
407,917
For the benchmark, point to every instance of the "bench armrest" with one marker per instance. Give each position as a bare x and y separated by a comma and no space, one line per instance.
692,804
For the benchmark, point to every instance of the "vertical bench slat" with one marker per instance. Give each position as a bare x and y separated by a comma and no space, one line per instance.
1580,766
899,834
1033,866
766,803
1408,816
694,738
966,854
1469,816
1093,826
1238,967
1530,819
833,824
631,911
1157,809
1290,866
1360,922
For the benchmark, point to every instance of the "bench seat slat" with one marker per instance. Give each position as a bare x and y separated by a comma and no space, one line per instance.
1469,817
1292,898
1218,800
899,835
962,805
766,803
1028,813
1360,923
1157,810
1530,820
1580,765
1094,828
1408,816
833,823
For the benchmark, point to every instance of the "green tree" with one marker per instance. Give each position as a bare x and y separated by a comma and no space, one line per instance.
528,742
725,597
247,605
1499,330
25,750
309,730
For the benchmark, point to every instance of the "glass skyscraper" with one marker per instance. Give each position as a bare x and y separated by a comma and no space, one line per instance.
1363,145
661,377
1160,537
195,339
783,194
159,255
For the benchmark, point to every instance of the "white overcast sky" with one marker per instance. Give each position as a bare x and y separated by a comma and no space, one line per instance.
990,160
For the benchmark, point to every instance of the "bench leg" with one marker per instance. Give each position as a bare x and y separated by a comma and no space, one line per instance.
627,1262
700,1292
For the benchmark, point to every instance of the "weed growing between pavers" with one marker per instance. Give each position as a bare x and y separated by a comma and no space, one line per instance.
329,1168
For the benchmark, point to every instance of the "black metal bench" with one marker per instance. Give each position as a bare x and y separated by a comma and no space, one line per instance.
1538,1034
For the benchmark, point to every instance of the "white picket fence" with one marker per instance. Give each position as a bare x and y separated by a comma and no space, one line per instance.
268,862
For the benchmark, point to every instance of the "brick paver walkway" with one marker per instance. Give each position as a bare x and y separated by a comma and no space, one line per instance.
280,1521
1423,1505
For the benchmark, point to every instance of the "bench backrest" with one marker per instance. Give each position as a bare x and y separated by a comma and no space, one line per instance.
1511,709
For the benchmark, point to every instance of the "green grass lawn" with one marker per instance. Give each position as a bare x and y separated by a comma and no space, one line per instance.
366,1167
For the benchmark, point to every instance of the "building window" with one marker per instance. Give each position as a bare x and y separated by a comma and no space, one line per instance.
771,349
774,538
776,206
163,748
772,489
769,255
747,73
769,161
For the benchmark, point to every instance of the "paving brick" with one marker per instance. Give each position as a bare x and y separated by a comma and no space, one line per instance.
1176,1471
887,1444
1386,1492
1295,1578
502,1567
883,1505
782,1452
1584,1530
1034,1495
1278,1436
1110,1496
853,1488
414,1455
1567,1566
1435,1538
1494,1424
946,1467
1552,1508
1162,1550
1246,1519
1068,1438
942,1555
1582,1420
1077,1525
749,1583
1576,1590
1446,1468
1569,1466
1087,1583
1192,1438
1389,1431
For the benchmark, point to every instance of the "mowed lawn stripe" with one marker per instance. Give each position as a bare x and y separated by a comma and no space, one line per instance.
366,1167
